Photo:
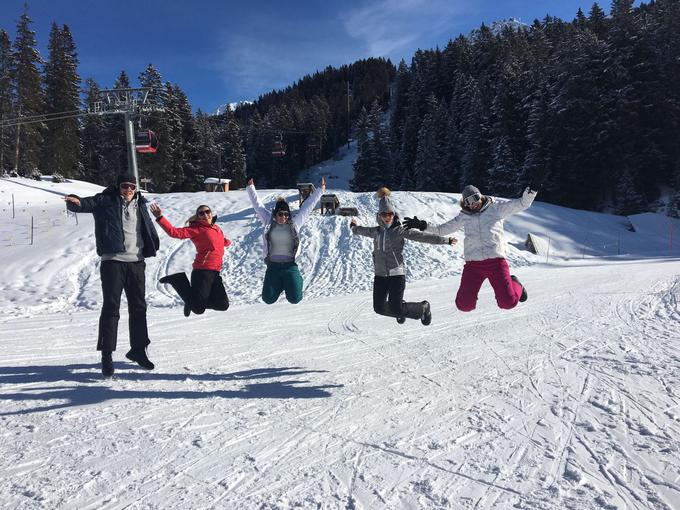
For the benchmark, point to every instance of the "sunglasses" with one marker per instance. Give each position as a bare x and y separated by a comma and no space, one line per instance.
282,214
127,185
386,214
204,212
472,199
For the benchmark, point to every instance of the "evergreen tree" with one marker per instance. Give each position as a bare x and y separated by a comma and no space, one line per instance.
61,148
233,157
92,157
29,100
158,166
6,107
431,158
113,148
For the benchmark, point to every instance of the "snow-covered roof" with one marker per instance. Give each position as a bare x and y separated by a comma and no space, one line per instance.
215,180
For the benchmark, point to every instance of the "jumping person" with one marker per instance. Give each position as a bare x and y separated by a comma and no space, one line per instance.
125,236
281,243
482,217
389,281
206,289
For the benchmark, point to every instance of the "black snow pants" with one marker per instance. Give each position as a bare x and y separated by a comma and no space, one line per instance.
206,290
118,277
388,298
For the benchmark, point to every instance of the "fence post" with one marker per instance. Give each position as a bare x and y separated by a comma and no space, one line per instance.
12,205
31,230
76,215
618,245
547,252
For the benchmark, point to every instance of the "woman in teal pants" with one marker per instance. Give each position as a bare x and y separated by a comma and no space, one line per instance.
281,243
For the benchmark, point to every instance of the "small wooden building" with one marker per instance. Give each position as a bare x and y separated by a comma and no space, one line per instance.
536,244
305,189
215,184
329,203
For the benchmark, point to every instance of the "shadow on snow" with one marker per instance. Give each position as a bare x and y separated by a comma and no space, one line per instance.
89,389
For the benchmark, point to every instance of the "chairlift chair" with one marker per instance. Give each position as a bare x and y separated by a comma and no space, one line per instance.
278,149
146,142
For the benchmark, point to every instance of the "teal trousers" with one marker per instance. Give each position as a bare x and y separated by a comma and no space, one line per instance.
282,277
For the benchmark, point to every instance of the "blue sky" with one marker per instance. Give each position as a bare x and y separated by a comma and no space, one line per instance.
226,51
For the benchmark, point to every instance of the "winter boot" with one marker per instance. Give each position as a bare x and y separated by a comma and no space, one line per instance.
426,319
524,295
401,320
139,356
187,310
107,364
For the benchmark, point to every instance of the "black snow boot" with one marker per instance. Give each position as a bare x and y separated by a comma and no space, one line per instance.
187,310
140,357
426,319
107,364
524,295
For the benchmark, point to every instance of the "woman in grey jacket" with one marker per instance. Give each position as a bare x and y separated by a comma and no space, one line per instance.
388,261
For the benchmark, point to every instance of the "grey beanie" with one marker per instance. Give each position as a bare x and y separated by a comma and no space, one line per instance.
384,202
470,190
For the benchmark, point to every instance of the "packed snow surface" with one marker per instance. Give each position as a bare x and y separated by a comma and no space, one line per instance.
570,400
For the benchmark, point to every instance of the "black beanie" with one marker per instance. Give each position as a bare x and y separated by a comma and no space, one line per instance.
281,205
125,178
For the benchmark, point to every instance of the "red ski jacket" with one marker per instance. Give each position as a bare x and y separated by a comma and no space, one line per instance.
208,239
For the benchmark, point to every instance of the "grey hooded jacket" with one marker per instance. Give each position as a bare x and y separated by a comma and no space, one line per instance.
388,245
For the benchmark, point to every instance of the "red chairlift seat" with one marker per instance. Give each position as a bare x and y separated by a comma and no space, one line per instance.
278,149
146,142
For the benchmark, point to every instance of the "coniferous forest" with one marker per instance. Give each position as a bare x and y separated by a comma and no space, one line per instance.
591,106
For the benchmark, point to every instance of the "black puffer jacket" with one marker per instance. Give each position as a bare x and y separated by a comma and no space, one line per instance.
107,208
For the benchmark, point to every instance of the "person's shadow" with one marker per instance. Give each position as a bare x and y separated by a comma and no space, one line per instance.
88,389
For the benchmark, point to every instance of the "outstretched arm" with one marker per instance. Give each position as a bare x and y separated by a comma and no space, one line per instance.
447,228
362,231
308,206
76,204
262,213
505,209
426,237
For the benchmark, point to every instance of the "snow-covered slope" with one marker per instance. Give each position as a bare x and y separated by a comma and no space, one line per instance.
569,400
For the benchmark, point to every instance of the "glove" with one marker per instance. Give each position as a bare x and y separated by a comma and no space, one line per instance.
227,242
415,223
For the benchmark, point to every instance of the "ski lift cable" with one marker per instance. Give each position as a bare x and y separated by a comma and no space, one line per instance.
37,116
21,123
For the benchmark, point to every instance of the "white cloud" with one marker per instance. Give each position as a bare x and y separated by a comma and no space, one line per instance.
389,27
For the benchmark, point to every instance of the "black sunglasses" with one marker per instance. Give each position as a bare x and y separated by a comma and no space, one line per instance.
282,214
127,185
204,212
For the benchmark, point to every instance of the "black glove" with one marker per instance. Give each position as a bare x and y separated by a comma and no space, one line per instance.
415,223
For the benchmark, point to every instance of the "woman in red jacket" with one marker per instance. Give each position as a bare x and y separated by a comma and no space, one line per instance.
206,289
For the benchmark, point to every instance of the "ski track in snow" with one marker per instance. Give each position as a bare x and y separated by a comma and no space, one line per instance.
570,400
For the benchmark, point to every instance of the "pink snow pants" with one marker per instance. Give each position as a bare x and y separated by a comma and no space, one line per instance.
497,271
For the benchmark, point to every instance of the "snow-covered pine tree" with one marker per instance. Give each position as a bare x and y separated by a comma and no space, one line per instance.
157,166
113,147
93,135
6,107
61,147
431,157
233,157
29,99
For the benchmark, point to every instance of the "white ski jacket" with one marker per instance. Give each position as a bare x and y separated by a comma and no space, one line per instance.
296,221
484,229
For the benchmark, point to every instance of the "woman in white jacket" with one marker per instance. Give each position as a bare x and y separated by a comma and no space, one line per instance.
281,244
481,217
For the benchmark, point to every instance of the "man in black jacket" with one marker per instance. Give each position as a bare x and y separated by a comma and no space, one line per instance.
125,236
